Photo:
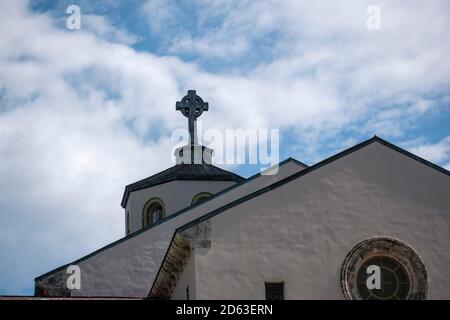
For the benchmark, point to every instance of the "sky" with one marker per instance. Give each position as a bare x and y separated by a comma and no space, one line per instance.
85,112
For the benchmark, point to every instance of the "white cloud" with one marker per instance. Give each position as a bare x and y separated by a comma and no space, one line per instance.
69,145
216,45
161,14
436,152
321,69
101,27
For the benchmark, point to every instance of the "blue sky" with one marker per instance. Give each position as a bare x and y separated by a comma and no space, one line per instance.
85,112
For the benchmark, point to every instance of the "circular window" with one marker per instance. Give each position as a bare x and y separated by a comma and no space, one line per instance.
393,279
383,269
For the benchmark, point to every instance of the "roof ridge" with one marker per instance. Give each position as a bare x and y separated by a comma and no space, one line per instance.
149,177
411,155
297,162
182,171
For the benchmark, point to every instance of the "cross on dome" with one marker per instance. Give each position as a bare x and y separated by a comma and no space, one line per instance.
192,106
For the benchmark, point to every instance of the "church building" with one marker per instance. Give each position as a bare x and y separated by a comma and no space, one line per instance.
371,222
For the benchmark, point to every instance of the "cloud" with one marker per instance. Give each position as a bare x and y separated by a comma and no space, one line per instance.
320,62
73,120
162,14
101,27
434,152
216,45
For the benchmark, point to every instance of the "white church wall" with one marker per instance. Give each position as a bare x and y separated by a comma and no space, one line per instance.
187,280
301,232
176,195
128,268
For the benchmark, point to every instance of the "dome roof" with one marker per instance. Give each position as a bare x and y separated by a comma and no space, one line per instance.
204,171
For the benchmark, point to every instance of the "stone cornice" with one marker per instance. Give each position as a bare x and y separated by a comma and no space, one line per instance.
177,256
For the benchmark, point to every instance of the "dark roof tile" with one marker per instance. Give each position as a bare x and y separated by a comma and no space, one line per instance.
202,171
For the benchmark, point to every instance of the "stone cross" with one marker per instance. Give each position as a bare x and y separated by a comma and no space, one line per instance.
192,106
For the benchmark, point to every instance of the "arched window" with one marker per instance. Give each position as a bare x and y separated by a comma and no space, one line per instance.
153,212
201,197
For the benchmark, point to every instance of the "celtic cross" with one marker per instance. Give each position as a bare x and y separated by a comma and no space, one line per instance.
192,106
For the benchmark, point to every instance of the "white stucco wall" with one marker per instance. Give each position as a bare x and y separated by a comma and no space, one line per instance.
187,279
176,195
301,232
128,268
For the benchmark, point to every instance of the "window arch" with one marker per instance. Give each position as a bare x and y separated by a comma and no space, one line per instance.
153,212
201,197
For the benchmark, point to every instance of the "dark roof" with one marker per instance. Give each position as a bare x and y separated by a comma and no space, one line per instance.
207,172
